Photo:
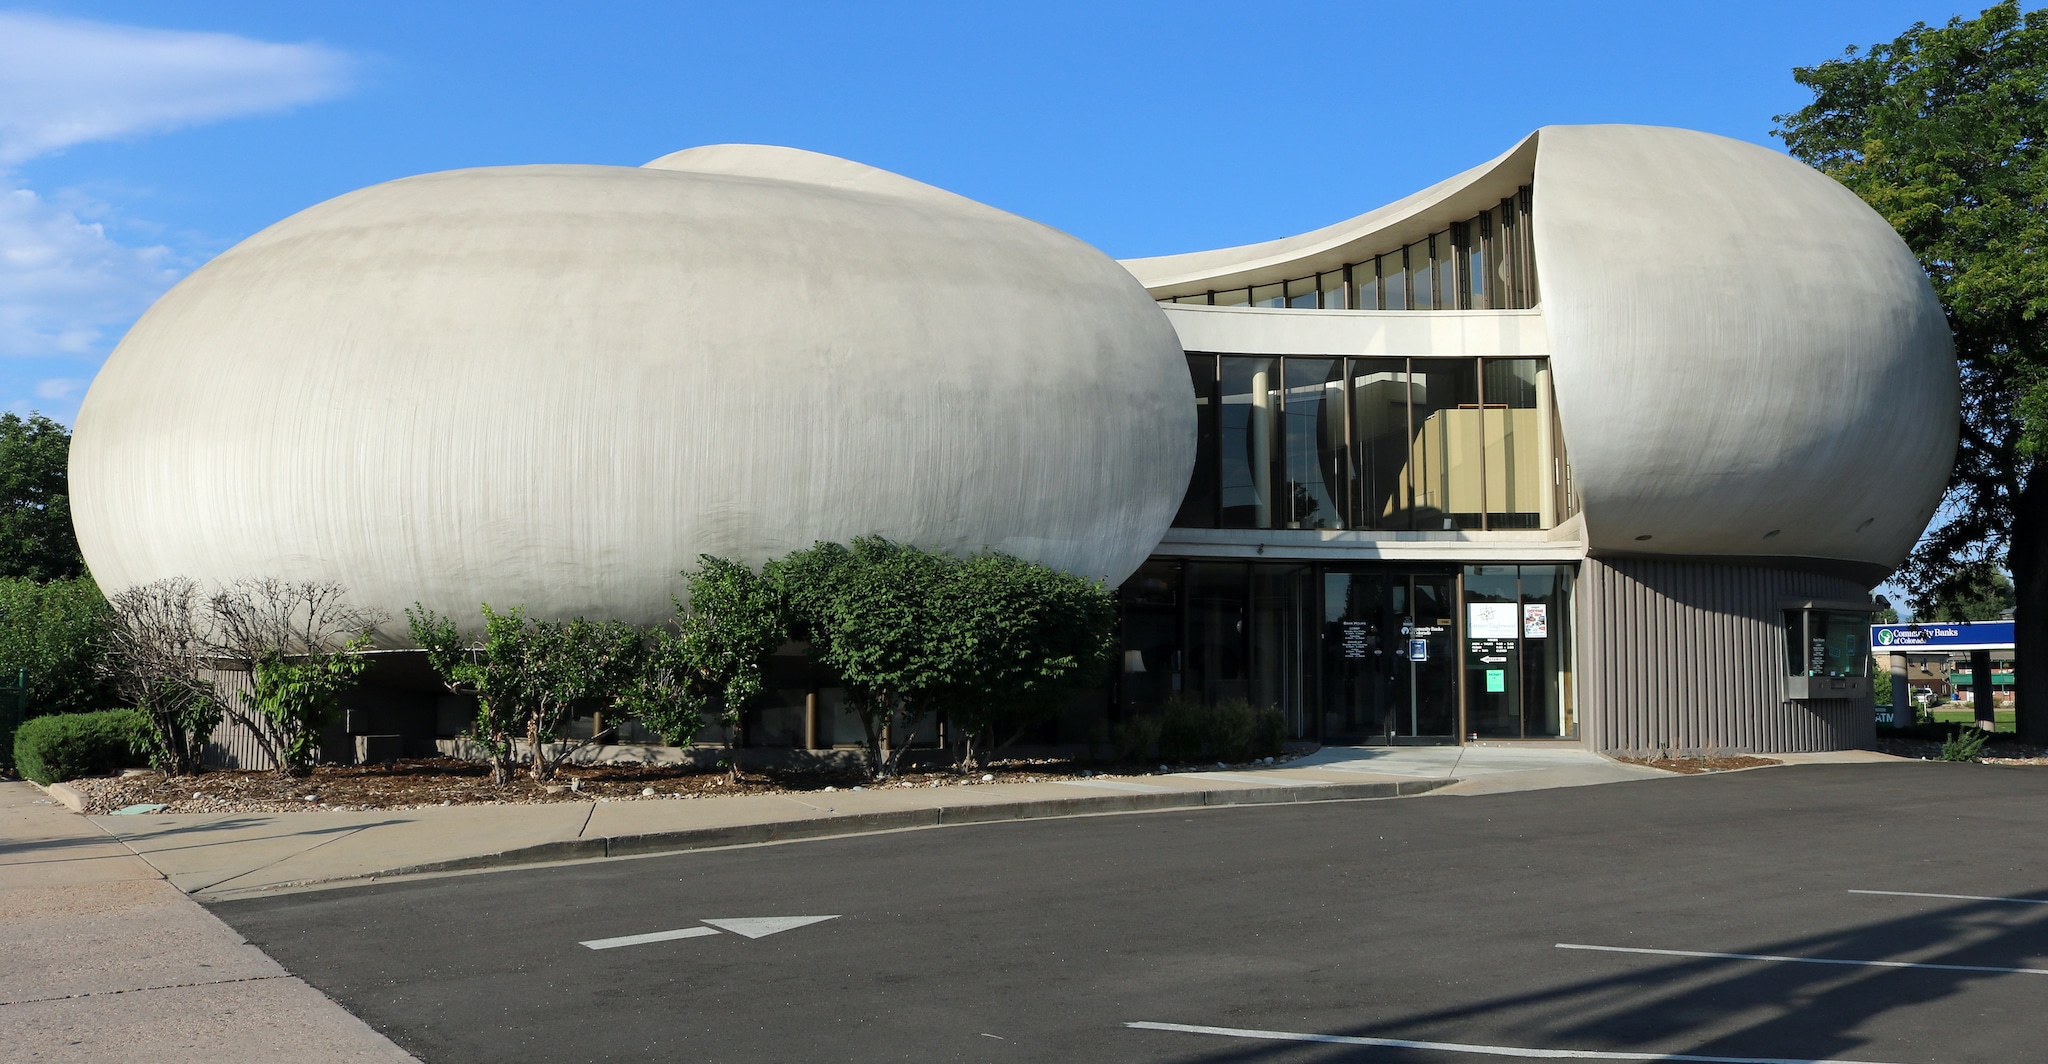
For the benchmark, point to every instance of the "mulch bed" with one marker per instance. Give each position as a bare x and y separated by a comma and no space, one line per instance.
1693,766
415,783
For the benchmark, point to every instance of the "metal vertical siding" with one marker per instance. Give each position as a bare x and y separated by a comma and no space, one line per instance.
231,746
1687,656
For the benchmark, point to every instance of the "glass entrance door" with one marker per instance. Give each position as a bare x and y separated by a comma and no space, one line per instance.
1389,658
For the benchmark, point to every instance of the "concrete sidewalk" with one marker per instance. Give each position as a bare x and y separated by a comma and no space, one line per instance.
106,961
228,855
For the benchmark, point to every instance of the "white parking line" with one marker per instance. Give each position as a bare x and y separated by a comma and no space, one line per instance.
1478,1050
1267,781
1804,960
652,936
1115,785
1953,897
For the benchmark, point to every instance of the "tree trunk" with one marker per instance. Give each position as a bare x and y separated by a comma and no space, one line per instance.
2027,557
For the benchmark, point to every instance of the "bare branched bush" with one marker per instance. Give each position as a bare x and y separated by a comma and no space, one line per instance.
301,644
157,650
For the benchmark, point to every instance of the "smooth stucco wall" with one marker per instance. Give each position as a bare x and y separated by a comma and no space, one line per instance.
1740,347
557,385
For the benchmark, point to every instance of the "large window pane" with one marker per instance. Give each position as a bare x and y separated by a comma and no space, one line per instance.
1333,290
1365,285
1478,259
1393,282
1517,443
1236,297
1421,277
1314,420
1283,631
1301,293
1446,257
1250,389
1150,670
1198,506
1269,295
1216,595
1379,459
1446,471
1507,265
1546,618
1493,627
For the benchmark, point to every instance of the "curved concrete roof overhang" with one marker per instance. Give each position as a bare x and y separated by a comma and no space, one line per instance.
1749,362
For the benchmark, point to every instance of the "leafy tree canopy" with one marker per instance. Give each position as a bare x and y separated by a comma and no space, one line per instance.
1972,593
36,540
1944,132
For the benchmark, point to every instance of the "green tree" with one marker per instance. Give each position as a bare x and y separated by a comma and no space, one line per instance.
572,668
530,679
56,632
1975,592
866,610
659,695
724,635
490,669
1015,640
36,540
1944,131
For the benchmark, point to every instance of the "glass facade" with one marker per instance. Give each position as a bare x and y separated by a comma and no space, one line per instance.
1482,263
1357,652
1396,444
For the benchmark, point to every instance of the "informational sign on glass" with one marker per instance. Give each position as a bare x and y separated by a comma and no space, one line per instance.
1535,620
1489,620
1496,680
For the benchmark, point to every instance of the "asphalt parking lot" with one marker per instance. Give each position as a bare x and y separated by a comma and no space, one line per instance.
1886,913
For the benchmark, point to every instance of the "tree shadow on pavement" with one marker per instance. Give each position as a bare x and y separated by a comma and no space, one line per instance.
1727,1008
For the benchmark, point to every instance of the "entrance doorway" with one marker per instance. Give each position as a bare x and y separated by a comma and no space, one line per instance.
1390,665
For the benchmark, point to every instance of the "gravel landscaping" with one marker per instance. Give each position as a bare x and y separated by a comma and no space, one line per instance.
413,784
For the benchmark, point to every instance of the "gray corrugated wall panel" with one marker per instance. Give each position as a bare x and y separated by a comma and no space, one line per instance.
231,746
1687,656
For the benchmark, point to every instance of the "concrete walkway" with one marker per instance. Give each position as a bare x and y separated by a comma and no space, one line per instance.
106,961
228,855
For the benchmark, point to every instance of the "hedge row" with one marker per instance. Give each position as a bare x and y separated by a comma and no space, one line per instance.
66,746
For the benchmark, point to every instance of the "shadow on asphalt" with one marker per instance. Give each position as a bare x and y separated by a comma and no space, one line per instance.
1732,1008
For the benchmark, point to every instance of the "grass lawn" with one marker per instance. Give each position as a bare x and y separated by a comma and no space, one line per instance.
1948,715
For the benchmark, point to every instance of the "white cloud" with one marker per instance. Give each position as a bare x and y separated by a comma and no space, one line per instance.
65,82
66,287
63,283
60,388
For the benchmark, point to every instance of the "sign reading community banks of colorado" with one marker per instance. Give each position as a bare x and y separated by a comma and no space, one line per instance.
1961,635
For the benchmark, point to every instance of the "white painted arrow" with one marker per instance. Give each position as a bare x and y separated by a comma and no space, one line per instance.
763,926
654,936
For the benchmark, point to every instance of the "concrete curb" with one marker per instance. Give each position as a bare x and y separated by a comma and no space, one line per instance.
867,823
64,794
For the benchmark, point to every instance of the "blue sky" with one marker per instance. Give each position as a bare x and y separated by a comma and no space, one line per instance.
138,139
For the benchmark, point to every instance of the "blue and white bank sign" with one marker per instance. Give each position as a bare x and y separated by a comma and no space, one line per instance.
1939,637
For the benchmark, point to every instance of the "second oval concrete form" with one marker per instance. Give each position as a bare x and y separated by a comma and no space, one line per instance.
1748,361
557,385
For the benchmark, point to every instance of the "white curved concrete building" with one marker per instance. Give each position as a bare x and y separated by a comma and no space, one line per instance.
558,385
1605,440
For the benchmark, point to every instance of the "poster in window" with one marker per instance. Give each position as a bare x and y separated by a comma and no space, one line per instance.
1496,681
1535,620
1489,620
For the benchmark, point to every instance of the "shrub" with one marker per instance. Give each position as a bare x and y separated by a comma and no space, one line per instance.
1136,738
1965,745
66,746
1230,730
